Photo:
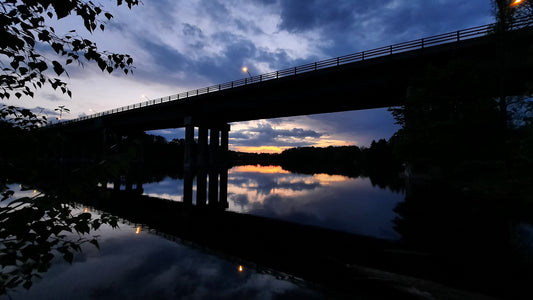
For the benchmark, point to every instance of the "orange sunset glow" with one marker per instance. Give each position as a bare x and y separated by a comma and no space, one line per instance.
279,149
259,169
261,149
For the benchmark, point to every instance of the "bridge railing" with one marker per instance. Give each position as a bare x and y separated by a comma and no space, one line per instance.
422,43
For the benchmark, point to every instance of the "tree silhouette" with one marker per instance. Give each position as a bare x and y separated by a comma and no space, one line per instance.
25,36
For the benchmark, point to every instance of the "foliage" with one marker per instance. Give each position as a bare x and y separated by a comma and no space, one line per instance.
506,11
34,230
449,119
25,38
21,117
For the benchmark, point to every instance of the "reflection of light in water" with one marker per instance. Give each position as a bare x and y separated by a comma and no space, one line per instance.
325,178
258,169
35,191
241,268
138,230
86,210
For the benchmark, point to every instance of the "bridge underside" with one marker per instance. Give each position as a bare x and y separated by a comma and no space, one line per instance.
376,83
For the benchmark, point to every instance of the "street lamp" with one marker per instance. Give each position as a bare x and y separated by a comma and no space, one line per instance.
245,70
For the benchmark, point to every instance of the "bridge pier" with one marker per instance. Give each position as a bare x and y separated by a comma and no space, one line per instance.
208,162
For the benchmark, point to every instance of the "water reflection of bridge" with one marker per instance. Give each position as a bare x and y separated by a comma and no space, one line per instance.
350,265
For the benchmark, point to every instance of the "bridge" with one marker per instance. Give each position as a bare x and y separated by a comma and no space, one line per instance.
370,79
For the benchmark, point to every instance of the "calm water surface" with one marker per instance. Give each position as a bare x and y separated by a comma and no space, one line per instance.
136,263
337,202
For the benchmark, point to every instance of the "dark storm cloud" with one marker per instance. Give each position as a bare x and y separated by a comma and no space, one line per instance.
165,57
361,25
303,15
349,26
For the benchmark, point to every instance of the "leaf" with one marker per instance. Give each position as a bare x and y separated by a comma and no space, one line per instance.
102,65
44,35
57,47
108,15
14,64
58,68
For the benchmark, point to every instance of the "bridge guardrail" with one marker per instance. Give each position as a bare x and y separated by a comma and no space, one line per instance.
445,38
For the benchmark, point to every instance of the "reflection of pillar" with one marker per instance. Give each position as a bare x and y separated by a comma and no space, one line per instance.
139,187
116,184
203,159
223,165
224,187
188,161
129,184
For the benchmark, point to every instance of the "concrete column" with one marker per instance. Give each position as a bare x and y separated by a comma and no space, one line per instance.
188,162
203,160
129,183
224,141
189,144
213,172
214,147
139,187
116,184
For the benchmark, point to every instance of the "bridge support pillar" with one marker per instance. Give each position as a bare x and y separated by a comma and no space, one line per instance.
213,166
201,176
223,165
188,168
208,162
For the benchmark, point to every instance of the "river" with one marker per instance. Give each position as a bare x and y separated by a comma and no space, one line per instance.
138,261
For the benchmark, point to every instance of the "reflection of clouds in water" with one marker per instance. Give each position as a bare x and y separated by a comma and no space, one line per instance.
146,266
330,201
239,200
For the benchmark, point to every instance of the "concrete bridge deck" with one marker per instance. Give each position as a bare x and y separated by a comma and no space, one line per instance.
370,79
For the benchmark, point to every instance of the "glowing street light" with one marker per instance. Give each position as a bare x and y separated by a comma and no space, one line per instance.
245,70
516,2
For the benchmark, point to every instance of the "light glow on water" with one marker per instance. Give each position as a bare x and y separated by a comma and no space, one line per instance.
337,202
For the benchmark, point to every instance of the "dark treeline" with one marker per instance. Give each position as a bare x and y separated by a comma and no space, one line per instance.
377,161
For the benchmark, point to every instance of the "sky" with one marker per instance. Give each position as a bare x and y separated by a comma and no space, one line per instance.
181,45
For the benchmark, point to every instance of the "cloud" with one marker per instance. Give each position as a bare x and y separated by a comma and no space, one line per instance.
351,26
263,134
53,96
180,45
